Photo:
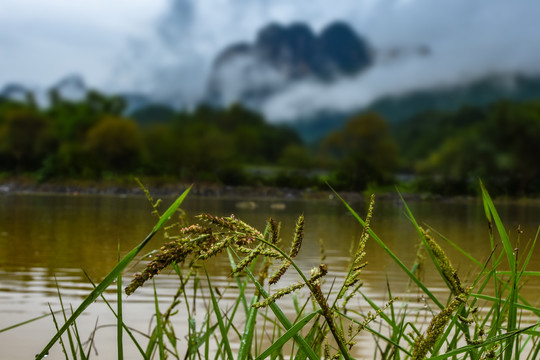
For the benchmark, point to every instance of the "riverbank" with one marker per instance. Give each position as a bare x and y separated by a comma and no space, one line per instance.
167,187
156,187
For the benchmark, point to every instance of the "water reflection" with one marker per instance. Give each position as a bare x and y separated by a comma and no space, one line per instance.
46,240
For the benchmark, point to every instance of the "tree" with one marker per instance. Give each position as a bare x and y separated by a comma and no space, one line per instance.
364,150
115,144
26,139
500,148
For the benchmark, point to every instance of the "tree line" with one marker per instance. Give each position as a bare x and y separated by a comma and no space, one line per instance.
438,151
450,151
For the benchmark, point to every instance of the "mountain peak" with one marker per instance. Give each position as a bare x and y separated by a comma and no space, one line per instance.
282,55
349,52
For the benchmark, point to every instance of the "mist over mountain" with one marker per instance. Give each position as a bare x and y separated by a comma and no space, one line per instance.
316,82
166,49
316,74
283,55
399,108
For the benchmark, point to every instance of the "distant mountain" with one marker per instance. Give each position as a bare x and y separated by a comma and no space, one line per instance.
395,109
480,92
281,55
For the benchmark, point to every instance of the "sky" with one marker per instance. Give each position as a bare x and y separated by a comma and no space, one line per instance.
166,47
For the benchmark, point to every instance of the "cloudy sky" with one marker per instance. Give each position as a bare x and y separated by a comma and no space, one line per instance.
166,47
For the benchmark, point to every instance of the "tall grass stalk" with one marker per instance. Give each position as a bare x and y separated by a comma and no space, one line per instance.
119,315
113,275
471,321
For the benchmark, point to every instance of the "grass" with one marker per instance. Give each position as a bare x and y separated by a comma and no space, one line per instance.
482,319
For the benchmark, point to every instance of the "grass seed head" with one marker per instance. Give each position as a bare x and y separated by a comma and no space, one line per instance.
246,261
279,272
279,294
448,271
298,237
173,252
435,329
274,230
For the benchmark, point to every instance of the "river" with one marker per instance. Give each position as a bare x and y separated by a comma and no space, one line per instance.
47,241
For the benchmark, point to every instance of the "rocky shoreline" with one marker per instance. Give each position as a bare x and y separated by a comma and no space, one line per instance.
160,189
164,189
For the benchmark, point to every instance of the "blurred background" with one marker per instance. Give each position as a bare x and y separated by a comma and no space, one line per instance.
363,94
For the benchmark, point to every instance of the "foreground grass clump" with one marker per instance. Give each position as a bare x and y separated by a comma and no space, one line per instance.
480,319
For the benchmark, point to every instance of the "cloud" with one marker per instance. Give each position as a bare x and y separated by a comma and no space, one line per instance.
166,47
466,39
176,63
42,41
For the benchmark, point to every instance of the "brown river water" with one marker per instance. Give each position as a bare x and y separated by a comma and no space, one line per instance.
46,241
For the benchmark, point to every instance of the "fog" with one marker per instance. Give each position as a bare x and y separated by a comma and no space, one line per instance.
166,49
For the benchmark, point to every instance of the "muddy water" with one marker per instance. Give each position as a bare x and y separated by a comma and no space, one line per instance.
46,241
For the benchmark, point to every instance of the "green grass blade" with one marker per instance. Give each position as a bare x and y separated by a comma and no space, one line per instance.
113,275
247,336
457,247
61,341
391,254
435,262
248,310
284,321
70,338
524,273
511,300
288,335
127,330
27,321
151,346
119,316
493,340
508,248
222,328
78,338
495,299
376,308
378,334
171,210
159,326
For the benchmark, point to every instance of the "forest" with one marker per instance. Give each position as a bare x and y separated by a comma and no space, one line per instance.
434,151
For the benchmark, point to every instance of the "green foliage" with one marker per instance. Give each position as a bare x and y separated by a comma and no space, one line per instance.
114,143
297,156
421,134
73,119
91,139
210,144
25,139
444,152
499,145
364,151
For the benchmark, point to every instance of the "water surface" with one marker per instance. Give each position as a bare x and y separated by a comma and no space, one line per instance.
47,241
